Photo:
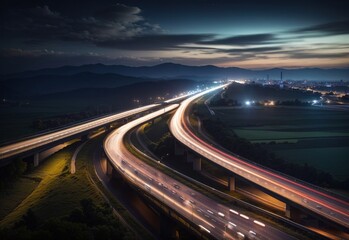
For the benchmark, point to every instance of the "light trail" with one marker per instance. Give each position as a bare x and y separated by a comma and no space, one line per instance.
203,211
303,194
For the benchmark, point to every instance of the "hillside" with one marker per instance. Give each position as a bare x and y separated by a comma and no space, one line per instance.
45,84
208,72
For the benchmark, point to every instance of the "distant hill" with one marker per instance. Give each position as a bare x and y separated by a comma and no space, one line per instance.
45,84
120,97
208,72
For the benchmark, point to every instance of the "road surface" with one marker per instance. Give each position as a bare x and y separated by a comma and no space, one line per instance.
306,195
212,218
26,145
38,141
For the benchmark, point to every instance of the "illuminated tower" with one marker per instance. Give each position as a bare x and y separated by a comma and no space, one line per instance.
281,82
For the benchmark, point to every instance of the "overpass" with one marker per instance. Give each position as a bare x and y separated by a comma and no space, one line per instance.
39,143
35,144
217,220
288,189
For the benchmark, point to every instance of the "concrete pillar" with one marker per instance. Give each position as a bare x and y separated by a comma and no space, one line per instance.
179,149
197,164
104,163
288,210
109,169
293,213
36,159
231,183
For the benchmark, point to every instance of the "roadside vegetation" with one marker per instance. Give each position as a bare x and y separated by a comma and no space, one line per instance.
87,221
60,205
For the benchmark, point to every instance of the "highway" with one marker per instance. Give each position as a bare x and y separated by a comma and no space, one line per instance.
306,195
211,218
26,145
38,141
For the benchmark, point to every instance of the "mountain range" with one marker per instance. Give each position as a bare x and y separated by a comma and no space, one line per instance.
208,72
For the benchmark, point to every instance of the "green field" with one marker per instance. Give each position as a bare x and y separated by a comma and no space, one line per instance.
331,160
302,135
256,134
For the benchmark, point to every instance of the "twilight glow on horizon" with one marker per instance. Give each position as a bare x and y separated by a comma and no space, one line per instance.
249,34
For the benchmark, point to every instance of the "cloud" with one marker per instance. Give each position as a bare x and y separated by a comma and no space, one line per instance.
305,55
154,42
243,40
331,28
255,50
120,12
17,59
40,24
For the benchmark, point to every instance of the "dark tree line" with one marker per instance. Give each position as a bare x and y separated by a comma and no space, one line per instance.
87,222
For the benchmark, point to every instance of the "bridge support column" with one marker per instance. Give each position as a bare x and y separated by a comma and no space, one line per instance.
197,164
295,214
104,163
109,169
36,159
179,150
289,211
231,183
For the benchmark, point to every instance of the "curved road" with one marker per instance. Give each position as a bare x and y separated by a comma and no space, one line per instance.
211,217
26,145
38,141
314,199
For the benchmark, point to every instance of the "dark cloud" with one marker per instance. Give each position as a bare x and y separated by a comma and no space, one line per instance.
120,12
243,40
250,50
43,24
154,42
331,28
305,55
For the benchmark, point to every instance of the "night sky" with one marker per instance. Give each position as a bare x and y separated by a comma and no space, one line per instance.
249,34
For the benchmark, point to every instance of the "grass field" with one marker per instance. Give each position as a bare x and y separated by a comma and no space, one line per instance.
257,134
55,193
154,134
302,135
15,193
321,158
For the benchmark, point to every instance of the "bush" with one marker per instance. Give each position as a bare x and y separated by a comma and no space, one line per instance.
88,222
